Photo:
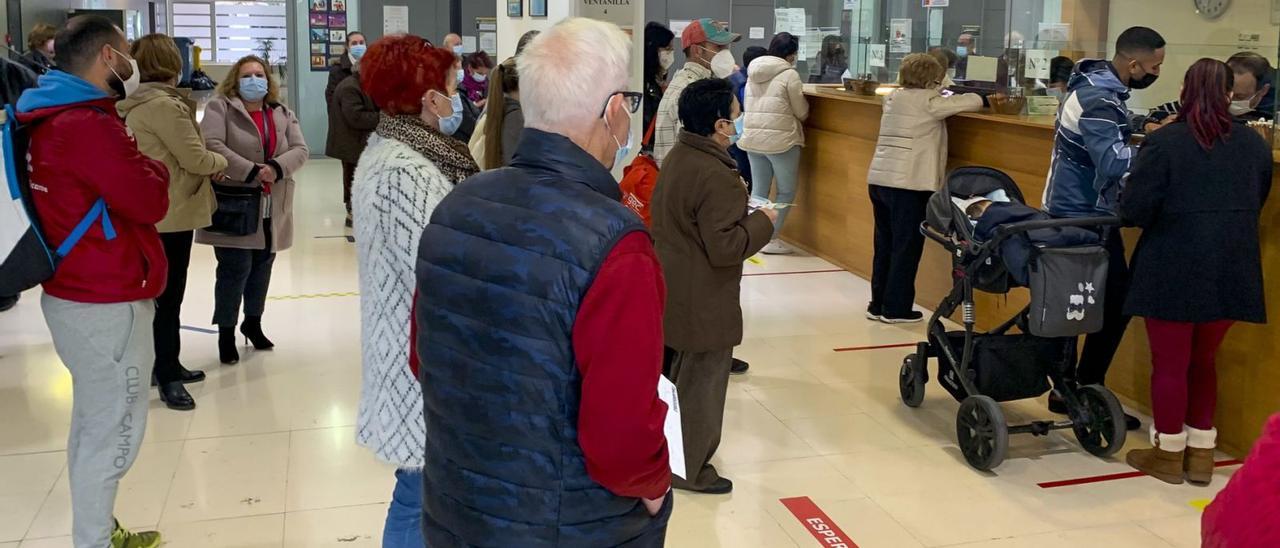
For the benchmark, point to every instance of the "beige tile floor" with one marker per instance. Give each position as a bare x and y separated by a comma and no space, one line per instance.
268,458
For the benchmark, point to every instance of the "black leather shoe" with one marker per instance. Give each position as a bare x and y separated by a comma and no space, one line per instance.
188,376
8,301
1057,405
227,352
1132,423
721,486
175,396
739,367
252,330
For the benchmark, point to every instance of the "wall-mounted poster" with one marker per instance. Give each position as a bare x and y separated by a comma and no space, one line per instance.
899,36
537,8
515,8
328,24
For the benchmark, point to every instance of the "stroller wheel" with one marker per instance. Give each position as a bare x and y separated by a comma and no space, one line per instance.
1103,433
982,433
911,381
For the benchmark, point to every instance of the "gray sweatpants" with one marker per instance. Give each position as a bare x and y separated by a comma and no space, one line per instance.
108,349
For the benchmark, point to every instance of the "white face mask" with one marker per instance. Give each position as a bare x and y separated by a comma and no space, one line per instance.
666,58
722,64
1241,107
127,87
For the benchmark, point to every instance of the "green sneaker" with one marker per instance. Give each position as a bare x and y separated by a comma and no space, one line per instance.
124,538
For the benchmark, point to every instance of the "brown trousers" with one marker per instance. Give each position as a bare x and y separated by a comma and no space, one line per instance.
702,383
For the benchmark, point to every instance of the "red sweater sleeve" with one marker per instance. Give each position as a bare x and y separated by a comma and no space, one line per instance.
618,341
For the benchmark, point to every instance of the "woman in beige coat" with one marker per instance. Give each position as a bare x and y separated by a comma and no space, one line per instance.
163,122
773,133
909,163
264,147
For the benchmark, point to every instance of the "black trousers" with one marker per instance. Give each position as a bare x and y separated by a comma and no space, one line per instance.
242,275
177,249
898,245
744,164
1100,348
348,175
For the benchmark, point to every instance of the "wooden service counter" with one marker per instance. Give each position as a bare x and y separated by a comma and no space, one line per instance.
833,220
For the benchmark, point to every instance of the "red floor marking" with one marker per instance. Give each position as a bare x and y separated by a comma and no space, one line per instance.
796,272
875,347
818,523
1120,476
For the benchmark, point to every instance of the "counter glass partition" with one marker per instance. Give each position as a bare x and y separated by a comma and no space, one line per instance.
1020,46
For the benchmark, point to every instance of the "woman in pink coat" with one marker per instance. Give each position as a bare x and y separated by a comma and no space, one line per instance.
1244,514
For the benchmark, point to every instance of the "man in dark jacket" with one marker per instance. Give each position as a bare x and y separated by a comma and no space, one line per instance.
703,233
101,300
352,117
14,79
1091,155
540,325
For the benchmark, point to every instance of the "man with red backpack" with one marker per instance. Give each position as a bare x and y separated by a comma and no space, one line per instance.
90,185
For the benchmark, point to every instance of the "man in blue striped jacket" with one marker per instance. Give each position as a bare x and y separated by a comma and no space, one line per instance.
1091,155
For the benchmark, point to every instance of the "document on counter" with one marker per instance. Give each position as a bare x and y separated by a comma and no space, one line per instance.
671,426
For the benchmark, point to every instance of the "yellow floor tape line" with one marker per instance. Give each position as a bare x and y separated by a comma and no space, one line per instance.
1200,504
313,296
755,260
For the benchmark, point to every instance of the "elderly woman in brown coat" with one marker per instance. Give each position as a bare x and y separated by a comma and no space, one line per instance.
264,147
703,232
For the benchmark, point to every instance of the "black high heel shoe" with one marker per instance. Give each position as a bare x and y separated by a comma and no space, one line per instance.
252,330
227,352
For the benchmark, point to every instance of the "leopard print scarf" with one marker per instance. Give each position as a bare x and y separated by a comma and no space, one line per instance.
450,155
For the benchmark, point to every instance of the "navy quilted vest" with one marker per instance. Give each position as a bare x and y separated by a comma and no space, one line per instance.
502,269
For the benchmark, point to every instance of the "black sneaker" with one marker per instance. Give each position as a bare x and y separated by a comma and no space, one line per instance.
874,314
739,367
910,317
1131,423
7,302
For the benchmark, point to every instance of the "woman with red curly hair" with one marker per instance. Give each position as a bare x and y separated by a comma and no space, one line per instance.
1196,188
408,167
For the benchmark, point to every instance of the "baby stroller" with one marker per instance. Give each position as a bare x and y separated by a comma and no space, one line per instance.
982,369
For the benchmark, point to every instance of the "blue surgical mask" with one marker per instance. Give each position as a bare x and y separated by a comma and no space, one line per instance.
357,51
479,77
623,150
450,125
738,128
253,88
457,50
962,51
462,74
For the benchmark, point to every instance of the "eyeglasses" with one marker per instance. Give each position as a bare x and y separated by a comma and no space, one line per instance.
633,99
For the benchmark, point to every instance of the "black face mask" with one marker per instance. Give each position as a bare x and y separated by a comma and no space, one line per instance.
1144,82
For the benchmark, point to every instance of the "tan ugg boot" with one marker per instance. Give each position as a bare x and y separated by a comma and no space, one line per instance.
1199,461
1164,460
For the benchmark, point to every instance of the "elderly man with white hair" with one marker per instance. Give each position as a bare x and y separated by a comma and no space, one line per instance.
540,325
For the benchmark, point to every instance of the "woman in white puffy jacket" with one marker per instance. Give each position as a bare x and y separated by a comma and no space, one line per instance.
773,126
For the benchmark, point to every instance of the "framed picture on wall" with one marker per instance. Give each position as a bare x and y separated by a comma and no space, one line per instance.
537,8
515,8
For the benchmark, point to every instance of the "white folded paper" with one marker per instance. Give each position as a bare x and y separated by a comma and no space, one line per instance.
671,427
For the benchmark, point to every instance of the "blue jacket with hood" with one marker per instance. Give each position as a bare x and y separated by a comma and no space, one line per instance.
1091,150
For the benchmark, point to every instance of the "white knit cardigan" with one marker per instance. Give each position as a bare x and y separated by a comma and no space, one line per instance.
394,191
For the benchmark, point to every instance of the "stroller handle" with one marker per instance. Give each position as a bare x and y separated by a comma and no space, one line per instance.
1003,232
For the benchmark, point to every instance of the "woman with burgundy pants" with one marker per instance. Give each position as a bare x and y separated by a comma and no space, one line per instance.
1196,190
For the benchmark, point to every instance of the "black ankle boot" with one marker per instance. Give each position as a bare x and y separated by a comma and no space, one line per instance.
252,328
227,352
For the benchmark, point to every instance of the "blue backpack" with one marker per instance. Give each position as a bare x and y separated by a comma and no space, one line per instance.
26,260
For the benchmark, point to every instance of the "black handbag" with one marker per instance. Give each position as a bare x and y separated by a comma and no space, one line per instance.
239,210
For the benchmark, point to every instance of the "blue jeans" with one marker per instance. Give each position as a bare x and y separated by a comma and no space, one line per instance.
404,517
785,167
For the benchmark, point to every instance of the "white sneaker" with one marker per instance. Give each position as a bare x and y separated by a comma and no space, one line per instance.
777,247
